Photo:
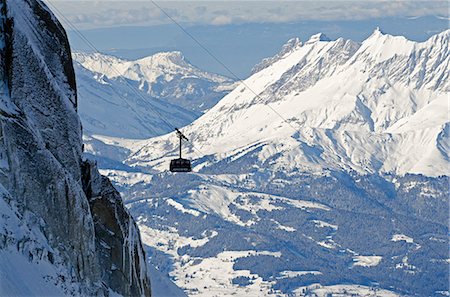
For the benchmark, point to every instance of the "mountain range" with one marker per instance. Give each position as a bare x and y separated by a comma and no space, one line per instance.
123,99
373,107
166,76
324,172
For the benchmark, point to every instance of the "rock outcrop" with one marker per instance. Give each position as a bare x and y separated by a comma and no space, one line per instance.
84,229
117,239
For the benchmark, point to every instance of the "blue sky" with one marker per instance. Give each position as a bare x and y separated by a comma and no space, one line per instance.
240,33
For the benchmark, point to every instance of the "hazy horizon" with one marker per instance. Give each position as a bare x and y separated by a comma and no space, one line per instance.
241,46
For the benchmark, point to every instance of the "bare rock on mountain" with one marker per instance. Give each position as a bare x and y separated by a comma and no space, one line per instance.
49,222
117,236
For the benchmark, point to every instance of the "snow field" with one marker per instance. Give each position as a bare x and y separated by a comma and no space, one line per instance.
343,291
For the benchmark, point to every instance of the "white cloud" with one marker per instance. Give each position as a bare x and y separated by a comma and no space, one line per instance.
91,14
222,20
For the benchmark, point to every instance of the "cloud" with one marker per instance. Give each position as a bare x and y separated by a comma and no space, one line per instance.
222,20
92,14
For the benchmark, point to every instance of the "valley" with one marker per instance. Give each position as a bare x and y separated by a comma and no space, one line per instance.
325,172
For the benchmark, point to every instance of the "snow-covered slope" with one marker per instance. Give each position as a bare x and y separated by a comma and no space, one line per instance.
108,107
166,76
305,188
379,106
140,99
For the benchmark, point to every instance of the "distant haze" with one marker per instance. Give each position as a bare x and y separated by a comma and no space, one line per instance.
241,46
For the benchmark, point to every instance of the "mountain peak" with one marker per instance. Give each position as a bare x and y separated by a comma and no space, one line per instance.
292,43
367,106
173,54
288,47
379,34
378,31
318,37
174,57
440,37
383,46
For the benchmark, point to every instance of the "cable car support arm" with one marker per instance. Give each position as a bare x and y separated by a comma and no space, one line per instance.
181,137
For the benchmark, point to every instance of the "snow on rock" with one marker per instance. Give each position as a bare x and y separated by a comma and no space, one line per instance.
49,235
118,241
30,266
286,49
181,208
402,237
170,240
343,290
318,37
322,224
291,274
366,261
283,227
127,178
212,276
20,277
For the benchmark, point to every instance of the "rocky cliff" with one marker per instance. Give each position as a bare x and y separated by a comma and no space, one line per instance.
56,210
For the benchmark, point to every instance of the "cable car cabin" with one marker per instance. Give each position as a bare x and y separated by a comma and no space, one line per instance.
180,165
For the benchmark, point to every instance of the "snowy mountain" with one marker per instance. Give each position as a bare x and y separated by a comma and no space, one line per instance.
64,230
325,172
108,107
166,76
330,98
140,99
111,110
332,105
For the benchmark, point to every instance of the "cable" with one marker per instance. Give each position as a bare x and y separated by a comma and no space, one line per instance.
220,62
235,76
94,48
209,53
171,126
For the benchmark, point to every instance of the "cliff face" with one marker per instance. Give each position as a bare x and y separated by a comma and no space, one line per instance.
117,238
74,218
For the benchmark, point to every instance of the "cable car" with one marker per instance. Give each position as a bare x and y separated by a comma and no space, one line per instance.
180,164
